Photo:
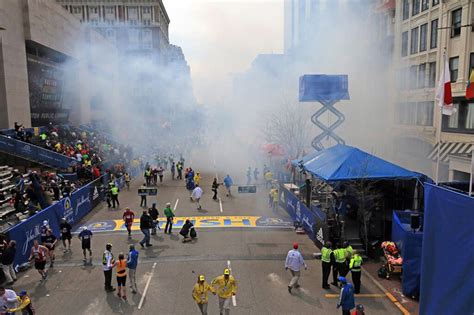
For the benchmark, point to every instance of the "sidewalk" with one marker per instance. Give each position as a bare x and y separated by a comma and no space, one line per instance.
393,286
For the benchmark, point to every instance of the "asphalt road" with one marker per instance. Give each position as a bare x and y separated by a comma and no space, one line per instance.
256,256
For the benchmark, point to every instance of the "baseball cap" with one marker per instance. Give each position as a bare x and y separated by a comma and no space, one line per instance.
295,245
342,279
22,293
201,278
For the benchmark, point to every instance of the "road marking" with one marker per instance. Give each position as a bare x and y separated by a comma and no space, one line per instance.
146,286
335,296
388,294
176,204
220,205
234,301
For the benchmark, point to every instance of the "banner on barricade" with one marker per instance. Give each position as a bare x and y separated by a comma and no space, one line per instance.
73,208
312,221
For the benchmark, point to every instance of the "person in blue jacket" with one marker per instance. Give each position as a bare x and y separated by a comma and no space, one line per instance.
132,263
346,298
228,183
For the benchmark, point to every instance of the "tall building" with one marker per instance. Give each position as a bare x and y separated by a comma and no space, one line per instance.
134,26
424,31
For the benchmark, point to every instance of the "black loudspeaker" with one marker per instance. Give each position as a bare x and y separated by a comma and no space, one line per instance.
414,221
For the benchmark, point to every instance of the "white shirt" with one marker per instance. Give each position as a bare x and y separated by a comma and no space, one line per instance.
108,261
197,193
294,260
8,300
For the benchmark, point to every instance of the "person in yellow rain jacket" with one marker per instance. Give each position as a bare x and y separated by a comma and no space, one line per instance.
197,179
200,293
25,306
226,288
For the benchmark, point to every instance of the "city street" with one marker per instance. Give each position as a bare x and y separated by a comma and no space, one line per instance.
254,251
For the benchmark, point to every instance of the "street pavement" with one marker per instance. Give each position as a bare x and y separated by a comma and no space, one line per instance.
255,255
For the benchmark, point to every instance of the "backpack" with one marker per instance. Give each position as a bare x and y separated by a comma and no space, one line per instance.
382,272
192,232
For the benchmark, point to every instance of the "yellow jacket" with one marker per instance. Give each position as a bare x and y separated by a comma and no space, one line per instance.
200,292
197,179
23,304
274,194
268,176
225,289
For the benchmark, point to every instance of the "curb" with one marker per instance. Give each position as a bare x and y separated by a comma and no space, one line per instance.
388,294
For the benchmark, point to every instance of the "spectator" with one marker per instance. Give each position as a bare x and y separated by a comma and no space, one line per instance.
7,258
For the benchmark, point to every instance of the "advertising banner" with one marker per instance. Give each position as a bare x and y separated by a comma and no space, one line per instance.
35,153
73,208
312,221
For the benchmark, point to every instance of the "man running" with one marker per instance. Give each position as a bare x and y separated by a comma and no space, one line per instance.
228,184
50,242
65,229
86,236
196,195
128,217
39,253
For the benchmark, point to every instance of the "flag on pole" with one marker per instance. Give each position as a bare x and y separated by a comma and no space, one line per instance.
470,86
444,97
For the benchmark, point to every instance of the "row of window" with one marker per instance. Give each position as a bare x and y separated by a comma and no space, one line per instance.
418,76
419,38
110,10
415,113
417,7
462,120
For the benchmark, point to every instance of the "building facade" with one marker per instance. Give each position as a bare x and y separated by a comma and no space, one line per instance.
426,30
45,58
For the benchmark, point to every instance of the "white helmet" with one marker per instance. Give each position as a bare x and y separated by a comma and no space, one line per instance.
45,222
84,228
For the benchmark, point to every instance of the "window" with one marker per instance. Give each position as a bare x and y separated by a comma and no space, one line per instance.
146,10
147,39
422,76
423,36
432,74
456,22
93,10
404,44
469,122
76,10
453,68
434,34
109,10
413,78
406,9
425,4
146,22
416,7
424,113
435,2
414,41
453,120
471,63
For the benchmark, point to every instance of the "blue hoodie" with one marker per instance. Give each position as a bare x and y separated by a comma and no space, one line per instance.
228,181
346,299
132,259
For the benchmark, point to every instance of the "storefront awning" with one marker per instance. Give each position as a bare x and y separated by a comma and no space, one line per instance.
447,148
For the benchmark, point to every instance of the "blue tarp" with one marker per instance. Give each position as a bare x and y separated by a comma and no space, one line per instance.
305,158
447,283
409,243
343,162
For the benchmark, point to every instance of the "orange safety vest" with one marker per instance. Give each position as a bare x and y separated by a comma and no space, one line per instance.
121,268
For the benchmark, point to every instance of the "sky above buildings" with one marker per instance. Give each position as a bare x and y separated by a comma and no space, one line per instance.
222,37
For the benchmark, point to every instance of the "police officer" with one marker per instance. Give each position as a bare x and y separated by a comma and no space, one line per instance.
349,252
327,259
107,265
340,266
115,191
355,267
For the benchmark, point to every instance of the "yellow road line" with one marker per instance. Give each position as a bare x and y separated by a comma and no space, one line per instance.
335,296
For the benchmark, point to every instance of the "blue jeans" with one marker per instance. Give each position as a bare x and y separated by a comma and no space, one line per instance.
146,238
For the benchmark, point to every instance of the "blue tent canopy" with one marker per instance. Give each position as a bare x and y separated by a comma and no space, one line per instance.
343,162
305,158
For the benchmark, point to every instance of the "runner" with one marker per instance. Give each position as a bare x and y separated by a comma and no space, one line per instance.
50,242
65,229
128,217
86,236
43,230
39,253
196,195
127,180
121,270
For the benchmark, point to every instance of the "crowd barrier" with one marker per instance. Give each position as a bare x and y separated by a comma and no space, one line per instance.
73,208
32,152
313,221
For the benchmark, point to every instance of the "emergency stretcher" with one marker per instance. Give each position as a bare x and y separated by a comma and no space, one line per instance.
394,264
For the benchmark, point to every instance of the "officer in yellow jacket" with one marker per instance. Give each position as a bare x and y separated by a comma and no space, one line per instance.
355,267
226,288
200,293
